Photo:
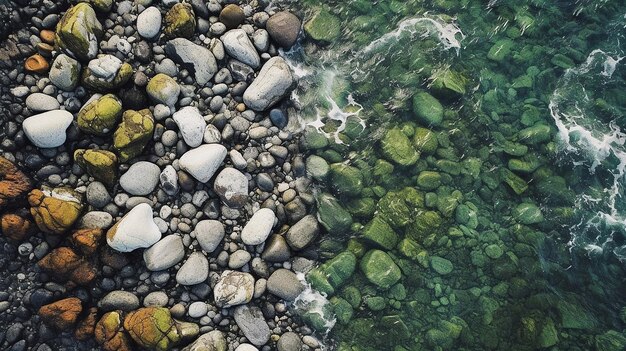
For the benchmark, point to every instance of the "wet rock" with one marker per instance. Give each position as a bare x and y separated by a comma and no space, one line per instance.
203,161
285,284
323,27
55,210
303,233
62,314
427,109
528,213
276,249
346,179
197,59
78,32
100,115
65,264
232,187
135,230
133,133
100,164
289,341
47,130
252,323
330,275
284,28
397,148
258,227
332,215
274,82
377,232
166,253
380,269
233,288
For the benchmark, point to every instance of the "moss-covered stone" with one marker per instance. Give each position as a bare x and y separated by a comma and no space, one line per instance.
427,109
377,232
332,215
441,265
94,81
362,207
317,167
180,21
133,133
100,164
425,141
78,32
333,273
346,180
425,223
611,341
380,269
501,49
323,27
343,310
536,134
155,329
395,209
516,183
429,180
397,148
448,84
100,115
528,213
55,210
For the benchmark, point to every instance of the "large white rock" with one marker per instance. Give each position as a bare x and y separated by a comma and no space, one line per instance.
233,288
203,161
197,59
274,82
141,178
149,22
238,46
191,125
165,253
209,234
258,227
194,271
47,130
135,230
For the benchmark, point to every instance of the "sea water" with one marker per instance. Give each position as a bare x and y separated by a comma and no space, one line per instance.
509,233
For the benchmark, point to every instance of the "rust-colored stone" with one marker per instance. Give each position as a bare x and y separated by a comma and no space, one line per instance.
110,334
13,183
155,329
84,329
36,63
47,36
65,264
55,210
87,240
61,314
15,227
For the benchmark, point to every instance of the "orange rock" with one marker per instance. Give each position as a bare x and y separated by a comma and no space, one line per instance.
110,334
65,264
37,64
84,329
15,227
61,314
55,210
13,183
87,240
47,36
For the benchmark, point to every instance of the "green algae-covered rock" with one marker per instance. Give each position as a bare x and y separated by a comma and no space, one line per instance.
526,165
411,249
313,139
441,265
352,295
155,329
376,303
429,180
528,213
448,84
342,308
100,115
397,148
328,277
317,167
425,141
500,50
78,32
467,215
332,215
536,134
611,341
180,21
323,27
398,329
100,164
427,109
101,81
346,180
397,207
445,335
163,89
549,335
516,183
380,269
379,233
362,207
424,224
133,133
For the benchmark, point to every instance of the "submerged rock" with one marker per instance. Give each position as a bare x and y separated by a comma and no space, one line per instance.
323,27
329,276
380,269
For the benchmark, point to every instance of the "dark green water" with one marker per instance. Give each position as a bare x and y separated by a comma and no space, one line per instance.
474,198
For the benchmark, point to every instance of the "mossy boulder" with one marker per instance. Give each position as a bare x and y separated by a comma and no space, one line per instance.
328,277
380,269
317,167
55,210
78,32
100,164
133,133
517,184
342,308
332,215
109,333
528,213
425,141
444,336
429,180
155,329
345,179
106,73
448,84
397,148
427,109
323,27
380,234
163,89
611,341
424,224
399,207
500,50
180,21
441,265
100,115
362,207
536,134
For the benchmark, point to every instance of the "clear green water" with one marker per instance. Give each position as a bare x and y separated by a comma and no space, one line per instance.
493,221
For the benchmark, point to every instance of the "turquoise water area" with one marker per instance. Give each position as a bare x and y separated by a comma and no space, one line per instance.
470,159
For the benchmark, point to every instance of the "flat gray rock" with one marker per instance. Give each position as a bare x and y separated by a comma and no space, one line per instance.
209,234
252,323
238,46
64,72
274,82
119,300
166,253
284,284
39,102
258,227
232,187
194,271
203,161
303,233
48,129
141,178
195,58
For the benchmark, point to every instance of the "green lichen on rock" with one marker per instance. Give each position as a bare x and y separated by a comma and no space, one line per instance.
425,141
500,50
155,329
429,180
448,84
398,207
427,109
78,32
345,179
328,277
100,116
100,164
102,85
380,269
397,148
133,133
528,213
323,27
180,21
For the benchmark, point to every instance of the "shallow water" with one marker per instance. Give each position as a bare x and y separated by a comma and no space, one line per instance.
522,192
